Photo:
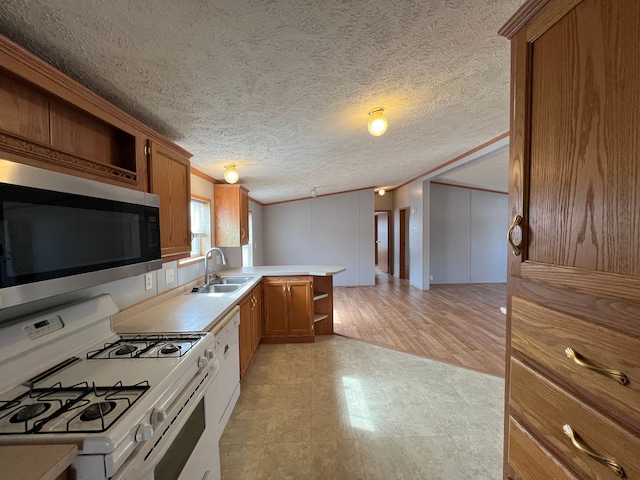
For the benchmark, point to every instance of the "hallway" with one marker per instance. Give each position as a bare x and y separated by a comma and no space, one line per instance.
456,324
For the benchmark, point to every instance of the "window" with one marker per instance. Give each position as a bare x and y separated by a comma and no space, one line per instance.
200,226
247,250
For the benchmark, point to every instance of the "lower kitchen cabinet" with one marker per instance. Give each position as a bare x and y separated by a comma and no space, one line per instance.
250,327
288,310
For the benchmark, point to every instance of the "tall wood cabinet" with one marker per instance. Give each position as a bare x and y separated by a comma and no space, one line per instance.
288,309
231,215
573,303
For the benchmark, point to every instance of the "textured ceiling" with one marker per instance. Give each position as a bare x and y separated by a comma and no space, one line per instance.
490,172
282,87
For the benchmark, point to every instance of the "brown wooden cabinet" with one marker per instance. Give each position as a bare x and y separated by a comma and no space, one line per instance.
169,177
288,310
250,327
50,121
231,215
573,291
323,305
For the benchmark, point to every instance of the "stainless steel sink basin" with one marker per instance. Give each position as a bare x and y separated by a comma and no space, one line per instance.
217,288
233,280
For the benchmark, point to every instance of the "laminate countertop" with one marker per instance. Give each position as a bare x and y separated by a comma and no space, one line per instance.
183,311
35,462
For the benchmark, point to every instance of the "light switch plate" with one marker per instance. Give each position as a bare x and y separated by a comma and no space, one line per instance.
169,276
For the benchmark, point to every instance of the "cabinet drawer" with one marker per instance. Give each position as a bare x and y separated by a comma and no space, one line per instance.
530,459
545,334
547,409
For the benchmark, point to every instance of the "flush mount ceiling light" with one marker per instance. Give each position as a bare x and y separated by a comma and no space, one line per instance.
314,192
381,192
231,175
377,122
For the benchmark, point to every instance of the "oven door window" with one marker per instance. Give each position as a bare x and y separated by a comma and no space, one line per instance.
178,454
46,234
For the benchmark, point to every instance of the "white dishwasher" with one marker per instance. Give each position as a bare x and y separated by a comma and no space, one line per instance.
226,386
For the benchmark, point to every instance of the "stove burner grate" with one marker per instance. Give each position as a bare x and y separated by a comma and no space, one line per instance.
27,412
169,349
126,350
96,411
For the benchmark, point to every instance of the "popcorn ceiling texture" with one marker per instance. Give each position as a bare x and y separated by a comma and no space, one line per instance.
282,87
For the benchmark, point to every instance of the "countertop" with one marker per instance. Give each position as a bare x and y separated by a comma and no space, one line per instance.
35,462
198,312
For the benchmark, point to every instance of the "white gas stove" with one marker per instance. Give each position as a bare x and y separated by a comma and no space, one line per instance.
65,377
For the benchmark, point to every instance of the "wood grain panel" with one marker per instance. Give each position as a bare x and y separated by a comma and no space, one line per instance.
585,110
544,334
274,307
324,306
257,316
545,408
608,285
530,459
25,111
81,134
300,308
245,334
169,178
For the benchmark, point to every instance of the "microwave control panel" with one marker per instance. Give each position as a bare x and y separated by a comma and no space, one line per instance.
43,327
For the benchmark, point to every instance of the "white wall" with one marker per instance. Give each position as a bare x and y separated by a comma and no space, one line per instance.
411,196
467,238
258,232
329,230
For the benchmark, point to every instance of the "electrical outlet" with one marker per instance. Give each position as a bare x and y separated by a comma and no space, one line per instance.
148,281
168,276
430,277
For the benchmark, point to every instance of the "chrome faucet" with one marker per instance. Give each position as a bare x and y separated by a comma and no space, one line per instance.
209,253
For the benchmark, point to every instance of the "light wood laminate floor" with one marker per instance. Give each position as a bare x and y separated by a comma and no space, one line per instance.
456,324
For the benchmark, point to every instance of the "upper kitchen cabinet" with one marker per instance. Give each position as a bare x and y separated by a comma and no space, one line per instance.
169,178
231,215
50,121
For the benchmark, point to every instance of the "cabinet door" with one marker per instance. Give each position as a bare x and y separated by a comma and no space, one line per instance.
257,317
300,308
169,178
231,215
574,176
246,337
275,308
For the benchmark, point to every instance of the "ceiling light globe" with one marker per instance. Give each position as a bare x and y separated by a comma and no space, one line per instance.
381,192
231,175
377,122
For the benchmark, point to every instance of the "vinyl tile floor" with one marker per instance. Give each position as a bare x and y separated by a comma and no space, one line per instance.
341,409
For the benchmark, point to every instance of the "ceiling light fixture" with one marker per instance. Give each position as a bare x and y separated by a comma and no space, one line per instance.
381,192
231,175
314,192
377,122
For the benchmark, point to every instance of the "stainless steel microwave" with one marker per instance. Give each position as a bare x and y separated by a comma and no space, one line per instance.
60,233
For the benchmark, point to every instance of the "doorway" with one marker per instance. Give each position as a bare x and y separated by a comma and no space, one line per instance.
383,241
404,238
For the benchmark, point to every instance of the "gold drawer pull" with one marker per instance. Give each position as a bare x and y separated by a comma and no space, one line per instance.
516,249
584,448
578,359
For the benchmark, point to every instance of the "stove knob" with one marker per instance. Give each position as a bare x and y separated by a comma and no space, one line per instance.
203,362
210,355
158,416
144,432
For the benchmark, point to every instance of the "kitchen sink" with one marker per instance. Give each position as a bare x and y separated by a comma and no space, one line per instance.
217,288
232,280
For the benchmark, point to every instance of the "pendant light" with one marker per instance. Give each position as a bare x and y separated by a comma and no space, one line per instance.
377,122
231,175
